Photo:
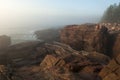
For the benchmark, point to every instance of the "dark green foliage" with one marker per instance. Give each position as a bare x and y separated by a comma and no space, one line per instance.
112,14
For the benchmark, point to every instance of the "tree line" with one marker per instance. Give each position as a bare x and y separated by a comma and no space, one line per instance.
112,14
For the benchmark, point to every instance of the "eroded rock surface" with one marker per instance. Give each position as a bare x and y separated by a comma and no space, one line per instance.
92,37
116,44
71,64
112,70
86,37
56,61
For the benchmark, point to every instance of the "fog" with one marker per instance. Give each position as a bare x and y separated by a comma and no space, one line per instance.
23,17
35,24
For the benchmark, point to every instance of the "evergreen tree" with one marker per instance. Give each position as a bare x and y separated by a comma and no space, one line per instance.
112,14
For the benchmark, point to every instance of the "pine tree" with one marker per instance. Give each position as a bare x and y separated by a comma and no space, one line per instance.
112,14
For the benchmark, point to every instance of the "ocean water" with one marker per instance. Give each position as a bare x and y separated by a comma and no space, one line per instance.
19,35
24,33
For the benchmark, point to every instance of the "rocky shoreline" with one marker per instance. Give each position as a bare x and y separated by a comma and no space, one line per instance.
77,52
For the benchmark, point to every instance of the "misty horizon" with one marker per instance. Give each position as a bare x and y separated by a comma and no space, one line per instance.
28,15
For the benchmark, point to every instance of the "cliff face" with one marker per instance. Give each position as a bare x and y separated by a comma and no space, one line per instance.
116,45
92,38
77,36
85,37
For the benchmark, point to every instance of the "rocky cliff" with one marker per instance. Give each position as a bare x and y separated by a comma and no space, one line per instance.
115,42
92,37
80,56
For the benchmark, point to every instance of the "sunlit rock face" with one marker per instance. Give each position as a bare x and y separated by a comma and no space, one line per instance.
78,36
5,41
86,37
92,37
112,70
115,41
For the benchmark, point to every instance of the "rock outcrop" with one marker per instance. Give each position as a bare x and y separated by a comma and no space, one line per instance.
79,37
82,60
21,53
86,37
5,41
55,61
115,36
70,68
48,35
112,70
92,37
64,63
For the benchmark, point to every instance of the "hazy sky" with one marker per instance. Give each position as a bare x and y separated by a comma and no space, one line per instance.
22,13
